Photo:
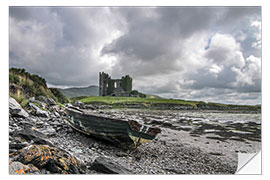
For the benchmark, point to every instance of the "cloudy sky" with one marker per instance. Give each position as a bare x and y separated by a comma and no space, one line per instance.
211,54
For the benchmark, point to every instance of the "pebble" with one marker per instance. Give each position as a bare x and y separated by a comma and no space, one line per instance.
156,157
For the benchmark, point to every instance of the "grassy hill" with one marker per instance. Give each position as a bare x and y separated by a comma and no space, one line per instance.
84,91
23,85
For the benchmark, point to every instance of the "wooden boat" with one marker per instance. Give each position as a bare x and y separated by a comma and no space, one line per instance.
127,133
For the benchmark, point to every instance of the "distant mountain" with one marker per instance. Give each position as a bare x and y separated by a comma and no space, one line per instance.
84,91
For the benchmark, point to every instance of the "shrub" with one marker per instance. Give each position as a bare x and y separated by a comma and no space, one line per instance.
60,97
13,78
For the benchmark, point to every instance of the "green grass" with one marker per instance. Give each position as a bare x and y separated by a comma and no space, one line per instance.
148,102
129,100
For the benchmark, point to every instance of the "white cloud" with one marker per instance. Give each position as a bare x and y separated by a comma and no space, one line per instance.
249,74
215,69
224,50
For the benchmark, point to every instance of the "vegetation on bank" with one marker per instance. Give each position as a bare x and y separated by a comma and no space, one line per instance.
151,102
114,100
23,85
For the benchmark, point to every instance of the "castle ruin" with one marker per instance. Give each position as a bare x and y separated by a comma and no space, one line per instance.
114,87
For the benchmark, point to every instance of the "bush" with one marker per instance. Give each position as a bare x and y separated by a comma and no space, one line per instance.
60,97
13,78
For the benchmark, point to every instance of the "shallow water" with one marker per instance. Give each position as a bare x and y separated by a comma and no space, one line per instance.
219,125
223,117
206,116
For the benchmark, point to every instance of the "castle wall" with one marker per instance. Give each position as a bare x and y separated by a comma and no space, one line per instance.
108,86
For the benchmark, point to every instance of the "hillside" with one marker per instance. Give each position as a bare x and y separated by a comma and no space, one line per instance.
23,85
84,91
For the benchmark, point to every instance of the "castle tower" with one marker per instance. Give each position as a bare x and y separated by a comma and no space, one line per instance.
103,83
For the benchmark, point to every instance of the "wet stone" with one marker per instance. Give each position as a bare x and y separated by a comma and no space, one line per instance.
107,166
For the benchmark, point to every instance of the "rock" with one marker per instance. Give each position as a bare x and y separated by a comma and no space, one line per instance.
155,122
70,130
19,168
56,114
30,134
51,102
48,101
32,99
48,131
121,154
42,113
105,165
33,154
68,105
89,106
15,109
17,145
216,154
41,104
79,104
55,109
167,124
75,150
39,112
51,158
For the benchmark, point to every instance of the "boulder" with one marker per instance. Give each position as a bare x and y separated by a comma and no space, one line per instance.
51,102
50,158
107,166
30,135
79,104
42,113
41,104
38,111
55,108
17,145
48,101
89,106
48,131
15,109
155,122
19,168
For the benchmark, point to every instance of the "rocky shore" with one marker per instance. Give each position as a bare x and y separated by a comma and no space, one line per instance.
41,143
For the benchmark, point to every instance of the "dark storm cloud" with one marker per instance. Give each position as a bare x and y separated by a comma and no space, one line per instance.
19,13
61,44
155,36
184,52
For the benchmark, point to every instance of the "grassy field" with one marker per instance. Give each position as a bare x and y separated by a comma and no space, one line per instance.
151,102
126,100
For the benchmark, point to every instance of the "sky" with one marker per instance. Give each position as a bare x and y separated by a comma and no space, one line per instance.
210,54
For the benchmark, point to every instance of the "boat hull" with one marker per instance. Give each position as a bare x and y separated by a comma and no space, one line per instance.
120,132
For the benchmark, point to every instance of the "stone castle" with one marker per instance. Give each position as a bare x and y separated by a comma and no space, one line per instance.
114,87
